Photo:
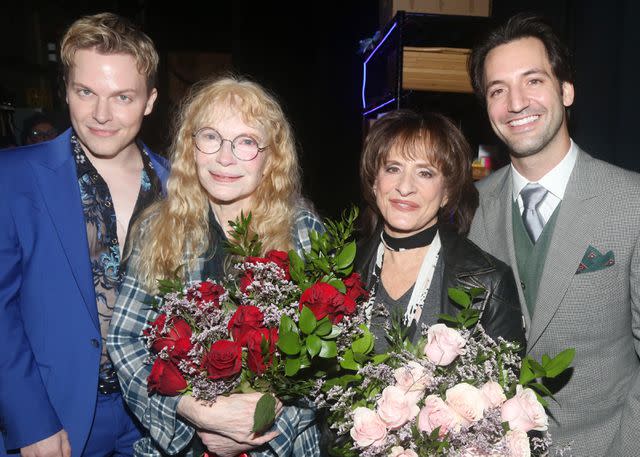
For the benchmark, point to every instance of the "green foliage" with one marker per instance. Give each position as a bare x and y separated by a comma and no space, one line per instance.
332,254
241,241
464,298
533,374
264,414
172,285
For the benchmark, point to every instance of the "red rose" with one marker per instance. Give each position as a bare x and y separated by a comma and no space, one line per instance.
177,340
157,326
355,287
206,293
246,280
258,359
325,300
223,360
245,318
281,259
165,378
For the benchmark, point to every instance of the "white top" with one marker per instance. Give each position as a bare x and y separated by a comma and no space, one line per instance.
555,181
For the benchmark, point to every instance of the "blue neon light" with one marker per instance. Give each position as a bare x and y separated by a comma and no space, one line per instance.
364,65
380,106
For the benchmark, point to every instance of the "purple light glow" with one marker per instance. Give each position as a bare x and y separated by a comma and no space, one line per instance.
364,65
380,106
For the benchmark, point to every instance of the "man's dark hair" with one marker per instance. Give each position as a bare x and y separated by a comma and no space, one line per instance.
522,25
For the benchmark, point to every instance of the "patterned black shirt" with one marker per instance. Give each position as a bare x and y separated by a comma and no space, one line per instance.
102,232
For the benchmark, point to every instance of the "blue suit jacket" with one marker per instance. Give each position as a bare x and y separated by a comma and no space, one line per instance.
50,341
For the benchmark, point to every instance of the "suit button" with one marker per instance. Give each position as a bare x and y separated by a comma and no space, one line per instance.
522,285
95,343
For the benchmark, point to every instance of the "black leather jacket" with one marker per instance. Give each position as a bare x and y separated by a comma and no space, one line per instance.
465,264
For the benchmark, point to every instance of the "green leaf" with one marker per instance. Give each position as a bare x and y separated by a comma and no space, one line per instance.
364,344
559,363
307,321
460,297
541,388
322,264
360,358
341,381
264,414
314,344
380,358
338,284
526,373
329,349
296,267
289,343
447,318
537,368
291,366
287,325
305,361
348,362
345,271
476,291
346,255
324,327
335,331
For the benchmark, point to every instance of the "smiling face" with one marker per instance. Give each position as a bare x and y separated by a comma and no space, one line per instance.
108,98
526,102
228,181
409,194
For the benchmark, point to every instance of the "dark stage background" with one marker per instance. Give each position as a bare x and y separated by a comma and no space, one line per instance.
306,53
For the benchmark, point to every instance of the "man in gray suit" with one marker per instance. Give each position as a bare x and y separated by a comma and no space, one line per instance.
569,225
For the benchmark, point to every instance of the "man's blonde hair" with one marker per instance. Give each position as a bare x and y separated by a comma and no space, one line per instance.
109,33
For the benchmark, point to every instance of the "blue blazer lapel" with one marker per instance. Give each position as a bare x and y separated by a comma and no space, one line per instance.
162,171
58,183
579,214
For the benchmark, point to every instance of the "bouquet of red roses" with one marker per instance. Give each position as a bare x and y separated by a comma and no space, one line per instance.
278,323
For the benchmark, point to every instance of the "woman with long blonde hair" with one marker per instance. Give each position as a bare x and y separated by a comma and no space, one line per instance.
233,151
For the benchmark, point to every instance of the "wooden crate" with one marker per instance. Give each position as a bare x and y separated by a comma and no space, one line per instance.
436,69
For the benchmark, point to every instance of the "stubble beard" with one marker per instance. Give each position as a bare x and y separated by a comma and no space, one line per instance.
533,146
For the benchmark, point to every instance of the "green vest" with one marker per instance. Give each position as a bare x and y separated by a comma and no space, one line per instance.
531,257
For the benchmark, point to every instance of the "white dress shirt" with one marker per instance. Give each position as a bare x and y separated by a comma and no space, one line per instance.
555,181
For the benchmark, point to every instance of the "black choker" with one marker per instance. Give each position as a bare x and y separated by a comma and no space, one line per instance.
418,240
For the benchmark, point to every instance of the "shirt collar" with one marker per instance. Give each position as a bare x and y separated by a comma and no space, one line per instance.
555,181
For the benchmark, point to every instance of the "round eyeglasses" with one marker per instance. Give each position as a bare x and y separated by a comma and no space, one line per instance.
243,147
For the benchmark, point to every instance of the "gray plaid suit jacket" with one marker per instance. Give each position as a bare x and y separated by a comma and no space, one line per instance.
596,312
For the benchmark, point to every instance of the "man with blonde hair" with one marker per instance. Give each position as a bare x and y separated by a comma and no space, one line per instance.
65,209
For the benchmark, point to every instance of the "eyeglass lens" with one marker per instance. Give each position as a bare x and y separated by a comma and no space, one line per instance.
210,141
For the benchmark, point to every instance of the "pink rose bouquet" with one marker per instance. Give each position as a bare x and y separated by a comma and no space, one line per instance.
456,393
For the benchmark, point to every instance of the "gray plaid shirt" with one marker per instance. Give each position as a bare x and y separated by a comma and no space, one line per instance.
168,433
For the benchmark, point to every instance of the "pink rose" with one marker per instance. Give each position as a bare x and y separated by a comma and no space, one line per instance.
436,413
399,451
414,379
367,428
444,344
467,401
395,408
518,443
524,412
493,394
